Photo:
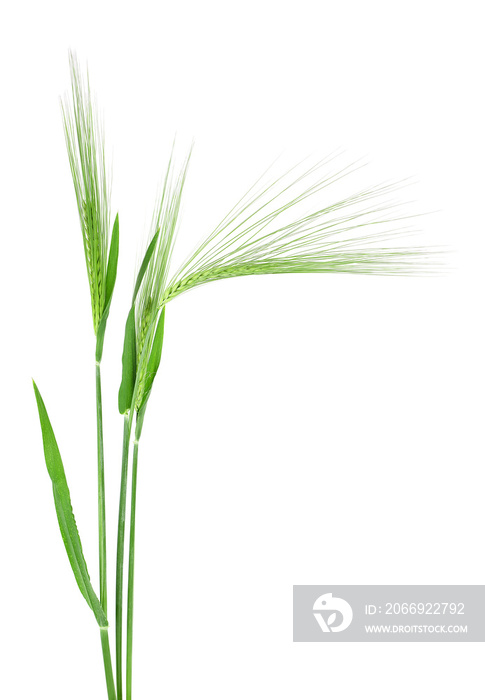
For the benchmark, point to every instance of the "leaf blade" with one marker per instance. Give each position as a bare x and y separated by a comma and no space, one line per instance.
112,268
128,361
144,264
65,515
154,359
110,283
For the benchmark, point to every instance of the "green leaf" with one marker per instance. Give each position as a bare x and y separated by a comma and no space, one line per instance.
65,516
144,265
112,262
154,359
128,373
110,284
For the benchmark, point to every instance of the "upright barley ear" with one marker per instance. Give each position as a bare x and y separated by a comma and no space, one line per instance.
85,146
149,288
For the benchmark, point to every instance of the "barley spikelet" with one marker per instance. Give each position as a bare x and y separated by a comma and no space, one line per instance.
85,147
145,320
165,221
142,359
268,233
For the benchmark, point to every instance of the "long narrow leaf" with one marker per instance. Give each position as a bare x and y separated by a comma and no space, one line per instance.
128,371
144,265
154,359
65,516
112,261
110,283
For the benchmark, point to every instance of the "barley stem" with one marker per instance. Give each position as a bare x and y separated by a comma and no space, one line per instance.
131,564
108,669
131,571
120,553
103,594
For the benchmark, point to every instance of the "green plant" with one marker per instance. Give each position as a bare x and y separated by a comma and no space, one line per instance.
279,226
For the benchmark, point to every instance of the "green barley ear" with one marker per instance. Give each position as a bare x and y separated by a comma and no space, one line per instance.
268,233
85,146
149,319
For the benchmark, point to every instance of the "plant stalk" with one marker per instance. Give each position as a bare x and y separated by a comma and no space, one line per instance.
120,554
108,669
131,572
131,559
103,594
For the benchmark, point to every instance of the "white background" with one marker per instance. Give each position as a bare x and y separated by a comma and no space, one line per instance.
301,430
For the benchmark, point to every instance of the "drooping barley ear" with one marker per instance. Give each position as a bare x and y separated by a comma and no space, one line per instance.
267,232
85,147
